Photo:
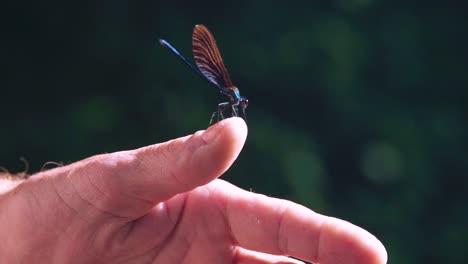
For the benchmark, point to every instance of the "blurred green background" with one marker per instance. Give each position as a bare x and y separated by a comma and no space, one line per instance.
358,108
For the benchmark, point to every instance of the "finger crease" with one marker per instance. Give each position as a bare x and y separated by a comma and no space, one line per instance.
319,239
282,239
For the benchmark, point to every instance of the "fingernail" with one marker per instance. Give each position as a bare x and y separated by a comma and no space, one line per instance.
211,133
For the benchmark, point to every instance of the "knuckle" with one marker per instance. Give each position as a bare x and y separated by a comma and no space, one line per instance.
115,164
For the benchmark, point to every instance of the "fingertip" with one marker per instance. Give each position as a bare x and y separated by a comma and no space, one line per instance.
373,251
235,134
223,143
379,253
342,240
232,135
232,129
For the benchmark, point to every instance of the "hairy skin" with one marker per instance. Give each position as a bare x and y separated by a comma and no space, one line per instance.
164,204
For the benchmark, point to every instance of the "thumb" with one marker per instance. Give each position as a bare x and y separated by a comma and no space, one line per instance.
129,183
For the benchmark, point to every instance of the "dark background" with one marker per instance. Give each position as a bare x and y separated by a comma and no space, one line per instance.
358,109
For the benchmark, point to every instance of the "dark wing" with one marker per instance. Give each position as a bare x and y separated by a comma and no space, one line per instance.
208,59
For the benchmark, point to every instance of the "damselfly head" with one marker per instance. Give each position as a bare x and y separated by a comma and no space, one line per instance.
243,102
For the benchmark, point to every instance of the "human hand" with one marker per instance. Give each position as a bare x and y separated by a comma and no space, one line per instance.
163,204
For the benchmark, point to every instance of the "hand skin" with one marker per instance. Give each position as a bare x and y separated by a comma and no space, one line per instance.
164,204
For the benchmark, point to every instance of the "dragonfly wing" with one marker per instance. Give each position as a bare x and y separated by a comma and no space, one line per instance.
208,58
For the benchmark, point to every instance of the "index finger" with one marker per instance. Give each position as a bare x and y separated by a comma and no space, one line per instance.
282,227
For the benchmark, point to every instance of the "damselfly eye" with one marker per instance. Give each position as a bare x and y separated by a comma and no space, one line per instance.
244,103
